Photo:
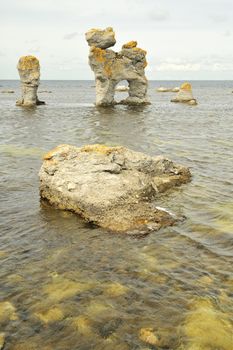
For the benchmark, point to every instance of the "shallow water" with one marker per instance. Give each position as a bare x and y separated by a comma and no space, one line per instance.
66,285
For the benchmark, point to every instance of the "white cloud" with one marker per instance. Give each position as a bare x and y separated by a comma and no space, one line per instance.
185,67
219,18
71,36
158,15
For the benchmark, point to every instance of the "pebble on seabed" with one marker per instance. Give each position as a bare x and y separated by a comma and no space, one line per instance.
62,288
115,289
148,336
53,315
82,324
7,312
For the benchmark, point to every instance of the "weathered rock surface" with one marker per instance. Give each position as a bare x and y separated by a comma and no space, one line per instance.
185,95
111,67
29,72
101,38
113,187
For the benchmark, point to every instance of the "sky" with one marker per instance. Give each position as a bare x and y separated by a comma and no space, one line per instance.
184,39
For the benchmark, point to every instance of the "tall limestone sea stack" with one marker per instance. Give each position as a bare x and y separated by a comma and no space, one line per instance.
111,67
185,95
29,72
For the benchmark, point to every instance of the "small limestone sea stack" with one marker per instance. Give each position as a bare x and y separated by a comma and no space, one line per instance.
111,67
185,95
112,187
29,72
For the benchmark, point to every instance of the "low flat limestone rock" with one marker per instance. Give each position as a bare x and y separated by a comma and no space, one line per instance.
185,95
112,187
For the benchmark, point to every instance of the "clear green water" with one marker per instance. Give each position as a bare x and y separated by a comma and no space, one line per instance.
66,285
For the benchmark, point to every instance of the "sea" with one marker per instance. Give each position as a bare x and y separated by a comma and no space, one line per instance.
66,285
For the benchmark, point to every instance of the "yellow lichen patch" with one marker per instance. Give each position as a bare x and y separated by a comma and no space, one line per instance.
54,151
115,289
53,315
186,86
130,45
207,328
28,62
99,54
139,50
148,336
97,148
145,64
108,69
63,288
7,312
82,324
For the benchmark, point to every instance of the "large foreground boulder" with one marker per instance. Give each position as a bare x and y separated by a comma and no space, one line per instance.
113,187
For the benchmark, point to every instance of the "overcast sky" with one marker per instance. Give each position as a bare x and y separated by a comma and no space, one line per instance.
184,39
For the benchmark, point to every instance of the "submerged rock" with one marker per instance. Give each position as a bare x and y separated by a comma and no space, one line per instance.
111,67
148,336
206,327
7,312
185,95
52,315
29,72
2,340
113,187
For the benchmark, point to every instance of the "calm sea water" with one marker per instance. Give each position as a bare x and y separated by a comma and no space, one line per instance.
65,285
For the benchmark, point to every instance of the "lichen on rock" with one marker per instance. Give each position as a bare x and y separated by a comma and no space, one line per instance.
112,187
29,72
111,67
185,95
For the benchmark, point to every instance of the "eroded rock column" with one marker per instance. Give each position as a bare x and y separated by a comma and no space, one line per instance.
111,67
185,95
29,72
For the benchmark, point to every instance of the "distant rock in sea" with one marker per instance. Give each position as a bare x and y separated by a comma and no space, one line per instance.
185,95
112,67
121,88
164,89
7,92
29,72
112,187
